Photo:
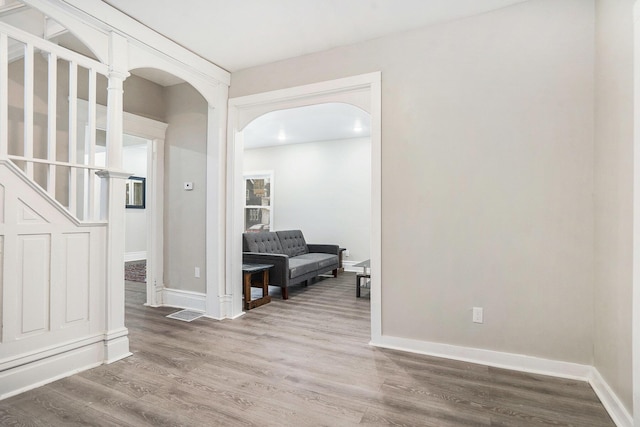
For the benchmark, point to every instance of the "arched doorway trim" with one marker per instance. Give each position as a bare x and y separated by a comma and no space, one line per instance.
363,91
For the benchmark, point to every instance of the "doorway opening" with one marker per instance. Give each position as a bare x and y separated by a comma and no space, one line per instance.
309,168
135,161
360,91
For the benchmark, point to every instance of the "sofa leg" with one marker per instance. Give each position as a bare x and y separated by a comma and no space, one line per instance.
285,293
335,273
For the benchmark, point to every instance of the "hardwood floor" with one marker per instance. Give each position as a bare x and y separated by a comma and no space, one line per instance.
301,362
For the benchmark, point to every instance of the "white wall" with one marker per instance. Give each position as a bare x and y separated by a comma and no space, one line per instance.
185,160
614,195
487,174
322,188
134,161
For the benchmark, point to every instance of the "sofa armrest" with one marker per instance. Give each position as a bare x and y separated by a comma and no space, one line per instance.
279,274
324,249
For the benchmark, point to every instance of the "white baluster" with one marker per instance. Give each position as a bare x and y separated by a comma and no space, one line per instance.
52,123
28,107
4,96
92,145
73,136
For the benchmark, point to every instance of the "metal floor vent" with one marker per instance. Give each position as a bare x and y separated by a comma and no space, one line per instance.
185,315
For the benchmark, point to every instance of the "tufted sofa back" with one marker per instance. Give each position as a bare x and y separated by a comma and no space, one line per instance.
293,243
266,242
289,242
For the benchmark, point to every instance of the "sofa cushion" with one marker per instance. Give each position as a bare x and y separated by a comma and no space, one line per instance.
293,243
325,261
266,242
299,267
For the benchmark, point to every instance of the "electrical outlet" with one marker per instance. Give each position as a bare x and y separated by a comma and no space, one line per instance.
478,315
197,273
347,254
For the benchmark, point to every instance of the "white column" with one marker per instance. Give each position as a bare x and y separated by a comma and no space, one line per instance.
116,339
218,299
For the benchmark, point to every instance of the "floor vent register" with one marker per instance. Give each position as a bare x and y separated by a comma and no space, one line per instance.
185,315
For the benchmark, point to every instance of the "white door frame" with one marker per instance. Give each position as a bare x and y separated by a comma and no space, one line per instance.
635,326
153,131
363,91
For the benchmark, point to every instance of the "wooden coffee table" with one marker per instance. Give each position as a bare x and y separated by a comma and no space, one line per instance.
257,281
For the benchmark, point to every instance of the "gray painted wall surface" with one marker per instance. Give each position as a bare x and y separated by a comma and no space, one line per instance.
322,188
185,160
487,174
614,195
134,161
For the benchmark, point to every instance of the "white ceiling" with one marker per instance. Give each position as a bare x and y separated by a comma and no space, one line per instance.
237,34
323,122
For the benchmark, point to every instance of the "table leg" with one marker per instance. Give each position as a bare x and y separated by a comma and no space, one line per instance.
247,289
265,283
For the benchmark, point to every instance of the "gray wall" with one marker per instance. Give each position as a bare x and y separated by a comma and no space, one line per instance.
185,160
322,188
614,195
134,161
487,174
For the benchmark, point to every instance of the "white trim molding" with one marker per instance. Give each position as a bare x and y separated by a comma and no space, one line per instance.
635,299
178,298
35,369
363,91
497,359
614,406
135,256
517,362
349,266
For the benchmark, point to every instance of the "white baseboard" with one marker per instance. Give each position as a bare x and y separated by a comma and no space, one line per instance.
497,359
135,256
184,299
518,362
610,400
51,368
349,266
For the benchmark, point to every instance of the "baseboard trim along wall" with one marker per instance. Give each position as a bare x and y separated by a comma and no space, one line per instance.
610,400
195,301
517,362
135,256
349,266
39,368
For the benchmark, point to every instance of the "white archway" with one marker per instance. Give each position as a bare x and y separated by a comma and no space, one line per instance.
363,91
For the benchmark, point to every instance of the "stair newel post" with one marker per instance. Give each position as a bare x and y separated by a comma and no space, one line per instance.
116,334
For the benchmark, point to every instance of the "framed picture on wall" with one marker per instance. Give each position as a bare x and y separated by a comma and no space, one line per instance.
135,191
258,203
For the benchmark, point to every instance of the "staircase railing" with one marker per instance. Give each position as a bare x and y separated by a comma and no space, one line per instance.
41,129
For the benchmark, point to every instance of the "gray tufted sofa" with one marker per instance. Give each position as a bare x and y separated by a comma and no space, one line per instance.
294,261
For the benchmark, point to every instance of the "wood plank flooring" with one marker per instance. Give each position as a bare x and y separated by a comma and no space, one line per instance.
301,362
